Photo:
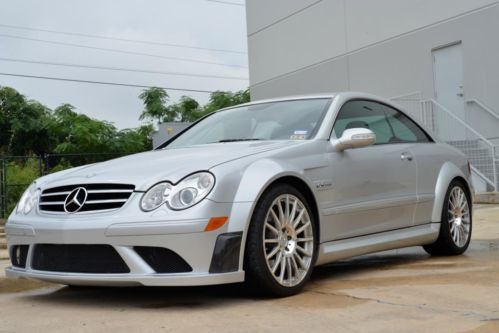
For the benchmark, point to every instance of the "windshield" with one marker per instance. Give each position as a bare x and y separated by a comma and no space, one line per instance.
287,120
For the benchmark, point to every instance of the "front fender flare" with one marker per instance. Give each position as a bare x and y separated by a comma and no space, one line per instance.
258,177
447,173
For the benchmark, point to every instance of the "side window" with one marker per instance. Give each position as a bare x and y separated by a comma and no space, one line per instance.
389,125
404,129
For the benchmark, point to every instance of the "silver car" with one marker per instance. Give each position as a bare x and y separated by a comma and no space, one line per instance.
261,192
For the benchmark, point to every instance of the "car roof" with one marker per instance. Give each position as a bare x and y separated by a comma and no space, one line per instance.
339,96
343,95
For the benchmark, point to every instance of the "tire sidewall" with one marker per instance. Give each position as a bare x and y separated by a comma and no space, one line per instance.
255,234
445,233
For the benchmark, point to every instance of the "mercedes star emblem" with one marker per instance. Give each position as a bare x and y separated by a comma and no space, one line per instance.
75,200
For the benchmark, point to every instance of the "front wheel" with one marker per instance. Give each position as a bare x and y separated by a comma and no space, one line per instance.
456,222
281,243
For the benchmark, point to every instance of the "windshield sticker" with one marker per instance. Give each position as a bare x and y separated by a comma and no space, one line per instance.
299,135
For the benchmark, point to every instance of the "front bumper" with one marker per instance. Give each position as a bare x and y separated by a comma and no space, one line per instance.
190,279
185,237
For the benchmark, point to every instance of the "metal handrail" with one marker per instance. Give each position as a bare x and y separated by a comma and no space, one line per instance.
483,177
483,106
406,96
471,129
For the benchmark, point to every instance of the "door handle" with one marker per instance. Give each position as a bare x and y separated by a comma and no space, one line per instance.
406,156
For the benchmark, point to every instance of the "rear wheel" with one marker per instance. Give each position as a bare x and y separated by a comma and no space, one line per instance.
456,222
281,243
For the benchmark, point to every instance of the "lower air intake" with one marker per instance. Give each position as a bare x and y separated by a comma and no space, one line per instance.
163,260
18,255
97,259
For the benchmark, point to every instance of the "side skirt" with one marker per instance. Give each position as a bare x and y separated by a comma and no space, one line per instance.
351,247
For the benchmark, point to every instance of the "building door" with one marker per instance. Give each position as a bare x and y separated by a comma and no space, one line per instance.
448,82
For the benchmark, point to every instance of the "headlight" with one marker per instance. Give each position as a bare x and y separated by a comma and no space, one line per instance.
155,197
188,192
191,190
28,200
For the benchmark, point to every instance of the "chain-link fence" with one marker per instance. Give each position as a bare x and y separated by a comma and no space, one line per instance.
18,172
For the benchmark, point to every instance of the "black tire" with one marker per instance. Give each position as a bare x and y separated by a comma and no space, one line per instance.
258,272
445,244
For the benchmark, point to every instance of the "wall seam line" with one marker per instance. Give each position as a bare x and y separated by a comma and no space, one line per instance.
284,18
347,54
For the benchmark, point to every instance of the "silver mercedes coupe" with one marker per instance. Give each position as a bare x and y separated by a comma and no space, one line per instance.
260,192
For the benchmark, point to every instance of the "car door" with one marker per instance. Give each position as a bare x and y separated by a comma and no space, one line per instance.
373,188
429,160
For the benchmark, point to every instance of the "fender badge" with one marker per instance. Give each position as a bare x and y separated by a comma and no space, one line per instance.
323,184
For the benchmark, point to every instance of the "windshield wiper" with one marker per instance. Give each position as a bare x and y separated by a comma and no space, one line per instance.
237,140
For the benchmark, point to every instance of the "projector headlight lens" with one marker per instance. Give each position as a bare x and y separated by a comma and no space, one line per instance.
192,190
155,197
188,192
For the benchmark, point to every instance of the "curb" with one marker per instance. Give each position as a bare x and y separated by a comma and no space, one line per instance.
487,198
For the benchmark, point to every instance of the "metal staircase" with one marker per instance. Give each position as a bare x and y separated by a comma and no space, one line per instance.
481,145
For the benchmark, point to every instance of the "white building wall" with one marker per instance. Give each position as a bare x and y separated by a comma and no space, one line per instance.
378,46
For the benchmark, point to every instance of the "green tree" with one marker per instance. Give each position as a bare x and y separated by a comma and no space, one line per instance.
78,133
30,130
224,99
155,108
23,124
187,109
11,102
134,140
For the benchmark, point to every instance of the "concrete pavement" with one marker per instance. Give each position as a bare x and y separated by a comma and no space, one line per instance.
394,291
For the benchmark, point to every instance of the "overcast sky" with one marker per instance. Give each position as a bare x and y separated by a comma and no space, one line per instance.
200,23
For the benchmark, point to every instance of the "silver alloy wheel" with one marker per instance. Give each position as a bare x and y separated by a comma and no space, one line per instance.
459,216
288,240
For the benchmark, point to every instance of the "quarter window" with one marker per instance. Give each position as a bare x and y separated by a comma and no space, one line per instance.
389,125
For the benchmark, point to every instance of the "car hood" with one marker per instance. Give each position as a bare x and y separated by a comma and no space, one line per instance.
145,169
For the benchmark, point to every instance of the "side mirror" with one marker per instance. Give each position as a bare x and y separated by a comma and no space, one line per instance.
354,138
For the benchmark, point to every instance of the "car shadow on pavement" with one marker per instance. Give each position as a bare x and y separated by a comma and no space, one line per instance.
144,297
367,263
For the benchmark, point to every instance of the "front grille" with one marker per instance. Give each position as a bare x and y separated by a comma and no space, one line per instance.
100,197
78,259
163,260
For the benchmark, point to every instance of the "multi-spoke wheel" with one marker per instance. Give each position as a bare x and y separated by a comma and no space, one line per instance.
455,228
459,216
281,243
288,240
